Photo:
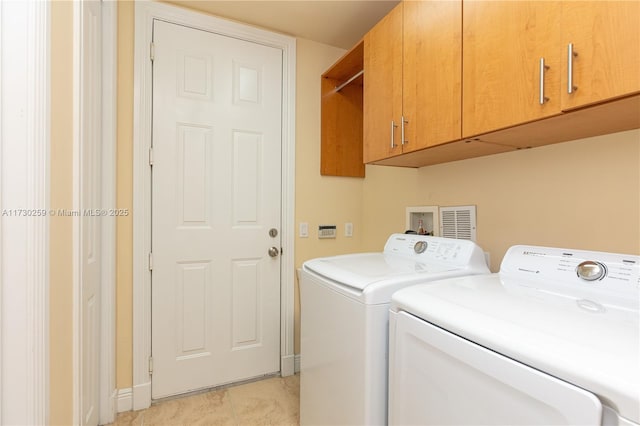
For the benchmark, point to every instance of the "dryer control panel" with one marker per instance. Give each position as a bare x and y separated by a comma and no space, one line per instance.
605,277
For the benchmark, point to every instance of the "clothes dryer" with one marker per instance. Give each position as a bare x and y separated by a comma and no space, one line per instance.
552,339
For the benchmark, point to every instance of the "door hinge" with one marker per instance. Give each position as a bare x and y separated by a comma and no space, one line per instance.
151,261
151,366
151,156
152,52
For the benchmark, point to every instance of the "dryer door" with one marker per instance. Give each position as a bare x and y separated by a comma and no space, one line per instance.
439,378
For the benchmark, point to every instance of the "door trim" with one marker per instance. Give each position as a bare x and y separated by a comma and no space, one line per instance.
24,164
145,13
107,377
108,391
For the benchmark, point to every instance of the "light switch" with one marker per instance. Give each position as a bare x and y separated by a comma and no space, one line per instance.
304,230
348,229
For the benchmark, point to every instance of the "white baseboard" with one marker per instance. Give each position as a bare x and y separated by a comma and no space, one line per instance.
142,396
109,408
125,400
287,367
296,363
125,396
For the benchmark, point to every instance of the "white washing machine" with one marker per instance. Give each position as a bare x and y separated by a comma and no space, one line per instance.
344,322
552,339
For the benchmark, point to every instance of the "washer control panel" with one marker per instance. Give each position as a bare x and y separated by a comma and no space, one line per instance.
424,248
590,270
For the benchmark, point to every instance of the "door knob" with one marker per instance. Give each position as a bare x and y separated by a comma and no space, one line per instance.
274,252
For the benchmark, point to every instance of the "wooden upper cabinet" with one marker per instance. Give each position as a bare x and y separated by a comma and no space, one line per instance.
606,38
412,68
383,87
461,79
503,43
432,83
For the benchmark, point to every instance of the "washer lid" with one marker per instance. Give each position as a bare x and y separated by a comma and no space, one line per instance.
593,345
361,270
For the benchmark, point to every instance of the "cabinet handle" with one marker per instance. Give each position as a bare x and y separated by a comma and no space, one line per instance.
402,129
543,68
393,128
570,55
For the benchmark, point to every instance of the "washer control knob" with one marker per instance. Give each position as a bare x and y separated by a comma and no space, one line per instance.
420,247
591,271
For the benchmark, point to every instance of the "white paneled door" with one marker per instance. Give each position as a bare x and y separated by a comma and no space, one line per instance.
216,184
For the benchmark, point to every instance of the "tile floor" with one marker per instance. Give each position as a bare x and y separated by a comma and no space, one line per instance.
272,401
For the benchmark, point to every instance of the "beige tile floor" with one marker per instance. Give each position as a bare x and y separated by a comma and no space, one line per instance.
272,401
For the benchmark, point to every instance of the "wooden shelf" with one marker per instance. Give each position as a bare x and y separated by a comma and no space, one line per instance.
348,65
341,121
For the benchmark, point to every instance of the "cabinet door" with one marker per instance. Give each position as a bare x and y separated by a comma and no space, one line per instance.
606,38
383,87
432,82
503,43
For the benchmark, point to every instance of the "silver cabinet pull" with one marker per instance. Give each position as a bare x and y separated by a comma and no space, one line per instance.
570,55
393,128
402,130
543,68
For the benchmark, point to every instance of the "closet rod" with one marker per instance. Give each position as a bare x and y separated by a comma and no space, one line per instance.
339,88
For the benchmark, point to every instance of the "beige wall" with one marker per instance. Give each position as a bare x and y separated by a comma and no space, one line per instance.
387,192
124,198
61,272
582,194
320,200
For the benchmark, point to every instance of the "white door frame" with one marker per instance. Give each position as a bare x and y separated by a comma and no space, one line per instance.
145,13
24,184
108,392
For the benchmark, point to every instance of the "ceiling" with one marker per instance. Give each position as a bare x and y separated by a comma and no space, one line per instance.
336,23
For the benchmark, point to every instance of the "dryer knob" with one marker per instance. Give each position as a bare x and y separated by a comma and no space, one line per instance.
591,271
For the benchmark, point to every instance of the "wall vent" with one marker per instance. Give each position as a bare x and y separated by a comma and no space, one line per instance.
458,222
